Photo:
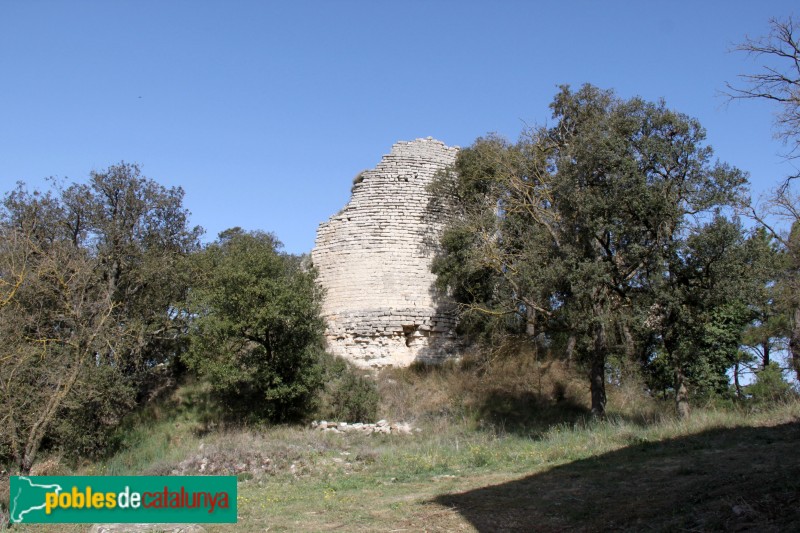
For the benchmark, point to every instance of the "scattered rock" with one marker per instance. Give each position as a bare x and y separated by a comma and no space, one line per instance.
213,461
402,429
381,426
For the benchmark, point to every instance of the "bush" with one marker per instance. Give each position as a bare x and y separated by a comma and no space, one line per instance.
348,394
769,387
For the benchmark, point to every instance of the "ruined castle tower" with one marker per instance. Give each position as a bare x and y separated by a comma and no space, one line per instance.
374,259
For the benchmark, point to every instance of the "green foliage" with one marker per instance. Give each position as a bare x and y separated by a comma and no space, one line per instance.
348,395
777,81
719,346
256,332
767,265
701,307
88,275
92,414
492,255
570,232
770,387
329,474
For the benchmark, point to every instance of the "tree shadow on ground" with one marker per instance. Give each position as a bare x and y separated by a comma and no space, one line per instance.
742,479
527,413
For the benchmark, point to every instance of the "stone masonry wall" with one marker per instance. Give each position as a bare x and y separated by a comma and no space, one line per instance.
374,258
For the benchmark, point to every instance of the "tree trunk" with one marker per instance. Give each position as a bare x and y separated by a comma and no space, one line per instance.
25,466
45,418
597,374
681,394
598,388
765,348
630,343
571,342
530,322
794,341
736,384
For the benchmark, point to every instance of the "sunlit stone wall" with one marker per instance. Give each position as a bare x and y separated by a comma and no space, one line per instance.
374,259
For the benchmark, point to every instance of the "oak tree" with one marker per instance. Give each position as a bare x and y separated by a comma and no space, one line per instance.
573,225
256,330
89,277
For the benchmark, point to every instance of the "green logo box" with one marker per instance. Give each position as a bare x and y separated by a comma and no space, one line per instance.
123,499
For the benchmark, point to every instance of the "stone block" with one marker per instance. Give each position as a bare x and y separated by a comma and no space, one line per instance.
373,263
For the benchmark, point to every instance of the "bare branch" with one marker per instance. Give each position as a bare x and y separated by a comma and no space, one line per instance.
778,80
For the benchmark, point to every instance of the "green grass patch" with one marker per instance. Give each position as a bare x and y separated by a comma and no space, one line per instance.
720,469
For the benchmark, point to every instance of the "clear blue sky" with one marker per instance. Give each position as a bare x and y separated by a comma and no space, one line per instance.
265,111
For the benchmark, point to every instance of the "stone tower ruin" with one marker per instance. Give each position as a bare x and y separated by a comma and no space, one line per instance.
374,259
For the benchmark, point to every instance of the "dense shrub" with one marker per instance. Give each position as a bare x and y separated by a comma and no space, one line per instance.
769,387
87,425
256,331
349,395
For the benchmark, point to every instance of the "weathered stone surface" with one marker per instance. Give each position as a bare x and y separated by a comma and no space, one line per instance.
374,260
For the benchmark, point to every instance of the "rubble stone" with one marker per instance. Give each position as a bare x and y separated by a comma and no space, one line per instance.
382,426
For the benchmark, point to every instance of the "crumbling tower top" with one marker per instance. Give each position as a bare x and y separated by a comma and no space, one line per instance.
374,260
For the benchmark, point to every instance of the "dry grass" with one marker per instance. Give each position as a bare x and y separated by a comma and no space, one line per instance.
713,473
520,393
505,446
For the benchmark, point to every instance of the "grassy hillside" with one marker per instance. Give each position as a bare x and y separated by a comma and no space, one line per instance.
483,461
